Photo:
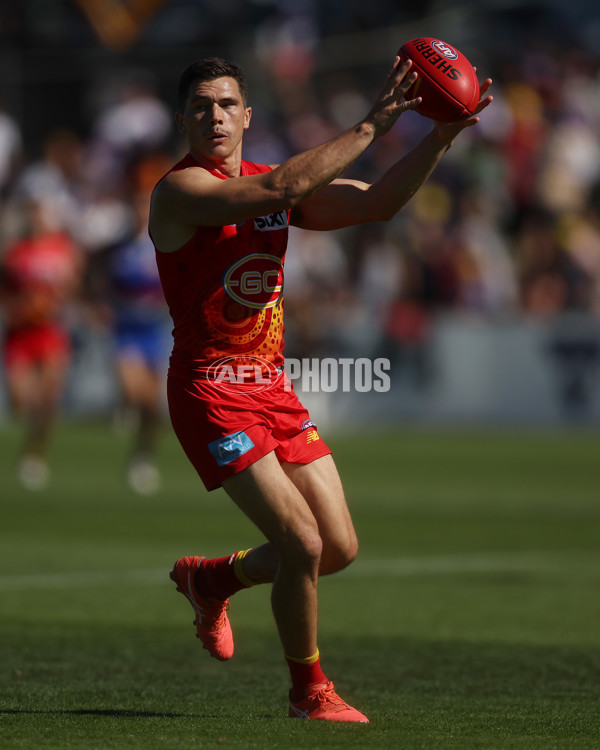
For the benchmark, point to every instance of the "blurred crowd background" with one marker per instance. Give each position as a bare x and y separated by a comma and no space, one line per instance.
504,237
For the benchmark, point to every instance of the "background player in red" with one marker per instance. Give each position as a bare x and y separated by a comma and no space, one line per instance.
219,225
39,275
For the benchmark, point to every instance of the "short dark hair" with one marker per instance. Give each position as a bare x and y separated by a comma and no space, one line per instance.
207,70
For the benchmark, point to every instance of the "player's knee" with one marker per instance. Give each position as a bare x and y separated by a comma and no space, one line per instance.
338,556
312,548
303,548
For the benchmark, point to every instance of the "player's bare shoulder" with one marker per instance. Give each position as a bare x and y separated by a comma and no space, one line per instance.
193,181
174,208
169,230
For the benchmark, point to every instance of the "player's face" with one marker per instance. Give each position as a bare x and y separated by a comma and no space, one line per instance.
214,118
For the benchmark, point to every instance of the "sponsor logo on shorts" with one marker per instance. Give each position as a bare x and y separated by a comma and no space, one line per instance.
255,281
228,448
312,436
308,423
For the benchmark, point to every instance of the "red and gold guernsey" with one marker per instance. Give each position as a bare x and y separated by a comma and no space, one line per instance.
224,288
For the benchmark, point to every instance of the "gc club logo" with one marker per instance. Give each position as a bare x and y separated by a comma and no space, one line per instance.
255,281
445,49
243,373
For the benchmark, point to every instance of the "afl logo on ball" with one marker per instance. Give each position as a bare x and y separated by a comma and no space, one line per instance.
255,281
445,49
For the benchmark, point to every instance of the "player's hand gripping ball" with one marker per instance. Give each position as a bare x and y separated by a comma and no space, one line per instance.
446,81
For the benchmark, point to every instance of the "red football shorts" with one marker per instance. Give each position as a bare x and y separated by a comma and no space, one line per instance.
34,344
224,431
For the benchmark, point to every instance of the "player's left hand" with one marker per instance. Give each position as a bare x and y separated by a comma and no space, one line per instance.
447,131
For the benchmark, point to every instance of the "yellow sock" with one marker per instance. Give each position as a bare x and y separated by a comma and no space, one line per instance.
308,660
238,568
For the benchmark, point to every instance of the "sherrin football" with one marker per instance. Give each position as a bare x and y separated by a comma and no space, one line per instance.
446,81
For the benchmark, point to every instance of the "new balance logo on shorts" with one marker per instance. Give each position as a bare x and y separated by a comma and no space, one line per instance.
312,436
228,448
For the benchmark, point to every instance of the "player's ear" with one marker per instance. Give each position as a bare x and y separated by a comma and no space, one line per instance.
179,121
247,116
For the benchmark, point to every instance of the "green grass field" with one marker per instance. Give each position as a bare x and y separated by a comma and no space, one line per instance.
471,618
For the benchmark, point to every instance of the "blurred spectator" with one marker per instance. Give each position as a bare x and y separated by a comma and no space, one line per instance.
551,280
485,267
130,122
56,177
525,143
315,284
571,165
380,269
428,282
11,151
134,120
39,277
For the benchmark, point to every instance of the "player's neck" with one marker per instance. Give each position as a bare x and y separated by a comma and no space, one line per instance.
230,166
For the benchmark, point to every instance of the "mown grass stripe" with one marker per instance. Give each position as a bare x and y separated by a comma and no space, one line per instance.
394,567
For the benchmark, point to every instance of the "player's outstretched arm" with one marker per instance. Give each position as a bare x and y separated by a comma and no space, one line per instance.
403,179
308,172
348,202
